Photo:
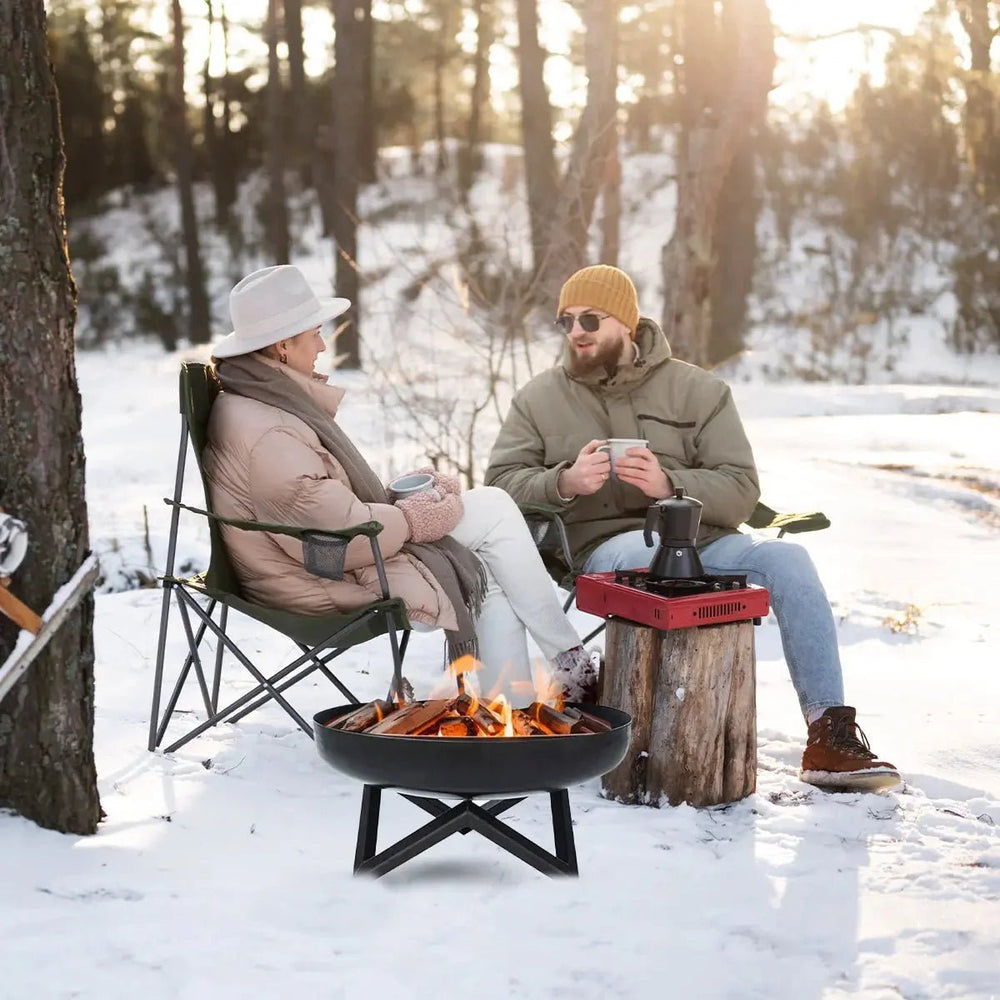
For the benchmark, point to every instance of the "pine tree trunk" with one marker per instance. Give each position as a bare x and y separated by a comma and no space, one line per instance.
199,329
368,143
439,64
224,171
471,157
718,121
211,128
277,214
734,239
540,173
298,107
347,84
981,118
47,768
611,202
593,141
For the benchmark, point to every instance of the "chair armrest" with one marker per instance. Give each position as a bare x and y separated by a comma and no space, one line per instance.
323,549
369,528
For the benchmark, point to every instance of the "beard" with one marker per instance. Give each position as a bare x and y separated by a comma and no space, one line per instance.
605,357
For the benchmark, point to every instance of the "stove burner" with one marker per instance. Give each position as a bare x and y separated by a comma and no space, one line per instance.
707,584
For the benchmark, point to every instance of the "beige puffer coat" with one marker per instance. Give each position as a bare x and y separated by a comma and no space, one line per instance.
264,464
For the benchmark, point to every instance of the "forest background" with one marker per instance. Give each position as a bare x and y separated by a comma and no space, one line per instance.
771,176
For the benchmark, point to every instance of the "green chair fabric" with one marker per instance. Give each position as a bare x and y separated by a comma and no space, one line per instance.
208,597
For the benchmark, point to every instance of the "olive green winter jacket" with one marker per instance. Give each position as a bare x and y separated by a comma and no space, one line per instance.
687,415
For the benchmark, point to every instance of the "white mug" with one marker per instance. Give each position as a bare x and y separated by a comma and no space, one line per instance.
616,448
406,486
13,543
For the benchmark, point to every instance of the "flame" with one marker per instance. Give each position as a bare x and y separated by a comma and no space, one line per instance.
379,714
463,665
547,688
504,712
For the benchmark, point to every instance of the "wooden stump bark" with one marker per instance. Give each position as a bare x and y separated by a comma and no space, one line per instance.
692,697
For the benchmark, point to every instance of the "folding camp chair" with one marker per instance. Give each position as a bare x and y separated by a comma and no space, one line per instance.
549,532
321,638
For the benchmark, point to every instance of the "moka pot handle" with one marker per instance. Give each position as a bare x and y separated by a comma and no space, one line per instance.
652,516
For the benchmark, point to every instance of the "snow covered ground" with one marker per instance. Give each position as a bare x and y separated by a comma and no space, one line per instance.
224,870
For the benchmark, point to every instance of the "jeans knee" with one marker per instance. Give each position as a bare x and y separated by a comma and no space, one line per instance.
788,564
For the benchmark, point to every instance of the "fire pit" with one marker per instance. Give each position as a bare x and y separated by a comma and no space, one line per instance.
499,771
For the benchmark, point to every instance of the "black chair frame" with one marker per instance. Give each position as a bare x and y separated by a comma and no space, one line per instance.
207,598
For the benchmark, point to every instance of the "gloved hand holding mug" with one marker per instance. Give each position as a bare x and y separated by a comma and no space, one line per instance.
431,515
443,483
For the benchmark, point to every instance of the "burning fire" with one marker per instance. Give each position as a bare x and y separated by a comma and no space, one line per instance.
472,713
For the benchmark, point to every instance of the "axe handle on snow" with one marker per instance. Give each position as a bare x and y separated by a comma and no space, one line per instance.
17,610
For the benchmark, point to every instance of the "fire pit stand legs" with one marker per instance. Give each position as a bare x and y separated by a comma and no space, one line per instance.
462,818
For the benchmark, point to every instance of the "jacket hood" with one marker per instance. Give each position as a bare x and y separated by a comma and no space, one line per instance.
650,349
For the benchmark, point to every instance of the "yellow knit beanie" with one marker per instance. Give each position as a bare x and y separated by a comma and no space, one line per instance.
602,287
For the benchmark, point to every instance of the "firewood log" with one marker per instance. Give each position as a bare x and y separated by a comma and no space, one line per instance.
363,717
410,720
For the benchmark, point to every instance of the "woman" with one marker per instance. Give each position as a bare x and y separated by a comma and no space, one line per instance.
464,562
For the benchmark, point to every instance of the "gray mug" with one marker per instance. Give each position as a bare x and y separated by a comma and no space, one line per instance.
616,448
406,486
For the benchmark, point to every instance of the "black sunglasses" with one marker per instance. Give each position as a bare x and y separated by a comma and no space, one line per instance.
589,322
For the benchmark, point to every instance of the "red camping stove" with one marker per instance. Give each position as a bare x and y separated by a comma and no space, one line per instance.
669,604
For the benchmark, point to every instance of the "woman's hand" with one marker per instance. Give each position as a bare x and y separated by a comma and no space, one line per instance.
431,515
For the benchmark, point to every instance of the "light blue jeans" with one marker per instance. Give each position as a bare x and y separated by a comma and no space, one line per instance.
805,621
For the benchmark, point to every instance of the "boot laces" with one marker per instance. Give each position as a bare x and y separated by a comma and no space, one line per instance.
850,736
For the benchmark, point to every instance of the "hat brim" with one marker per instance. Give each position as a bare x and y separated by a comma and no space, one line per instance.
234,344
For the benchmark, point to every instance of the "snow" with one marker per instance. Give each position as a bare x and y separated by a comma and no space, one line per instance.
225,868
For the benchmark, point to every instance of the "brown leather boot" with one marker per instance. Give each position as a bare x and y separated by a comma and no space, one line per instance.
838,757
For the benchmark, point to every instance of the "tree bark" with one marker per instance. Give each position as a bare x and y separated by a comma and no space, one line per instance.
471,157
718,121
440,59
368,143
298,107
540,174
277,214
224,173
980,114
593,141
735,241
199,330
47,770
691,694
347,109
611,202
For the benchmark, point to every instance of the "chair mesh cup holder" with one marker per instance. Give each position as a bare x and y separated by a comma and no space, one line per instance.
324,555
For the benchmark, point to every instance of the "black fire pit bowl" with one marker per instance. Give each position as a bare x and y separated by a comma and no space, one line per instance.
474,766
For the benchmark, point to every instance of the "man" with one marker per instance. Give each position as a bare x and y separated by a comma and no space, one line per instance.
617,379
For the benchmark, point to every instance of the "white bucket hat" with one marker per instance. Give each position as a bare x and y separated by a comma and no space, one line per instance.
273,304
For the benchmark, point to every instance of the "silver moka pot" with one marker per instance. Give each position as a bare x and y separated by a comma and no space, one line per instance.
676,520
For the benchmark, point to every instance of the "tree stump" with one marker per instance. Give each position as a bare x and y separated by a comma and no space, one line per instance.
691,694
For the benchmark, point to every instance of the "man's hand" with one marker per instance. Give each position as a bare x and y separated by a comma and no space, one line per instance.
587,474
641,468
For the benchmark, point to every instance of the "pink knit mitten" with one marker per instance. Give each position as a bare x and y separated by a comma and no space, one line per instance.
443,483
430,515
